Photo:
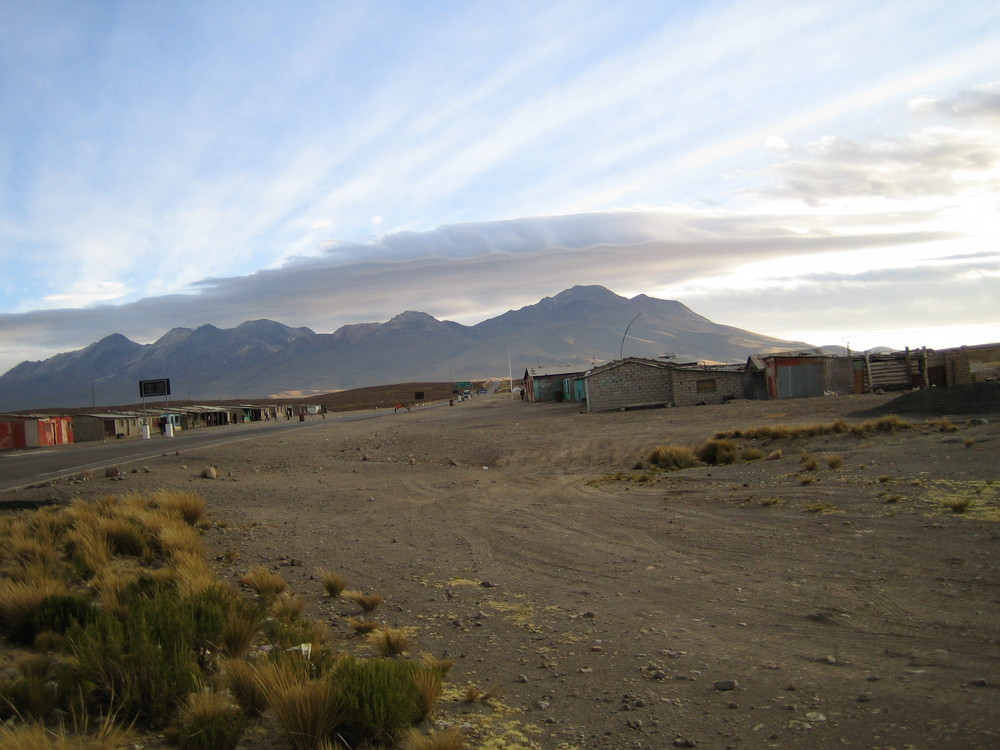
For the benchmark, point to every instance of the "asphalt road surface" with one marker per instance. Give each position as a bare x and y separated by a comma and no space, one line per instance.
37,465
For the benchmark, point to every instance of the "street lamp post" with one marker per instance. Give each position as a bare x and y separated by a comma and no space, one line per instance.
621,350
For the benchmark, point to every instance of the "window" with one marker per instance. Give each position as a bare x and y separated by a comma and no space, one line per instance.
705,386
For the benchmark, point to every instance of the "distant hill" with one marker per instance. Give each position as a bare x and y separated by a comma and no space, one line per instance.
258,359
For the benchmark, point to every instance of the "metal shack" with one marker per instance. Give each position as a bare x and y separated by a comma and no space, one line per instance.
801,375
30,431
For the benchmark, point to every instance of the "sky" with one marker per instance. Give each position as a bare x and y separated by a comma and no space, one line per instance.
823,171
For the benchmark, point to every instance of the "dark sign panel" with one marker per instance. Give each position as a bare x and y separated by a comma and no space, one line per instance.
418,396
153,388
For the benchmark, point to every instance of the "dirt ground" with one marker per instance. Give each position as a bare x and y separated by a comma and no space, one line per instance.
755,605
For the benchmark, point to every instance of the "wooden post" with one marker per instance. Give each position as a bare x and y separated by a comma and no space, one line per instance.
868,371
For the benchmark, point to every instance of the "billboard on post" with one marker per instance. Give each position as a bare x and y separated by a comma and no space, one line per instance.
153,388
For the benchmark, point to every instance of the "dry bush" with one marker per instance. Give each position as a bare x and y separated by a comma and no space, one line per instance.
809,463
265,582
126,536
189,506
242,623
440,664
944,424
751,454
210,721
173,537
333,583
718,451
363,626
241,677
191,573
957,504
391,641
308,709
89,549
20,601
673,457
475,694
437,739
428,682
288,606
367,602
834,461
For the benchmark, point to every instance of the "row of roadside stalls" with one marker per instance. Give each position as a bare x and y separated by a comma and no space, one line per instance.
31,431
636,383
129,424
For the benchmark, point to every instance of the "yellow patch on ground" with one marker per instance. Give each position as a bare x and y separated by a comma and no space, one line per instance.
980,498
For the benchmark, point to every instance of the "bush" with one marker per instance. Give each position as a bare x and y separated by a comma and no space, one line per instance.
380,698
718,451
143,660
20,602
334,583
673,457
308,709
210,721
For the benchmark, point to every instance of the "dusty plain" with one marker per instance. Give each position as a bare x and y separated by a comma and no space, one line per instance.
754,605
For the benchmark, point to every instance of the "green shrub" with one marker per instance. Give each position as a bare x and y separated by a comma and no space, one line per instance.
380,698
143,659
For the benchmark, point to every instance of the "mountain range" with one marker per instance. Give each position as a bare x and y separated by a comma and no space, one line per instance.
583,325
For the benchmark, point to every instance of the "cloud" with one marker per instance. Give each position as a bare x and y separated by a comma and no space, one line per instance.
465,272
979,104
934,162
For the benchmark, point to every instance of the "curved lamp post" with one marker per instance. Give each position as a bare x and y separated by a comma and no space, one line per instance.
621,350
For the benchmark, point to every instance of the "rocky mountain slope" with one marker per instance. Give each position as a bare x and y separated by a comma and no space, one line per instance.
582,325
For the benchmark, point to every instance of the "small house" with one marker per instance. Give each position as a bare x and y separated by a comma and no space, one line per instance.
558,383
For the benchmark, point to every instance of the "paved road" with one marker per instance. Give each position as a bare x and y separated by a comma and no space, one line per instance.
23,468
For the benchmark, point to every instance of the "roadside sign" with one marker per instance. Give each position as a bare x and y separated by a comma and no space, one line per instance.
153,388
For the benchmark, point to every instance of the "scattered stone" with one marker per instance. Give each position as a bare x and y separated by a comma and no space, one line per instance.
775,455
725,684
112,471
864,698
815,716
487,584
522,678
209,472
684,742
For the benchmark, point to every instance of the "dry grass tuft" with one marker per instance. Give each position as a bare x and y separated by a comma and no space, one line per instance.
334,583
363,626
367,602
241,677
308,709
957,504
718,451
188,506
391,641
210,721
266,583
438,739
673,457
442,665
428,682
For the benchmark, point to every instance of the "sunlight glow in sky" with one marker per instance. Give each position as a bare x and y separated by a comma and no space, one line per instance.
823,171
